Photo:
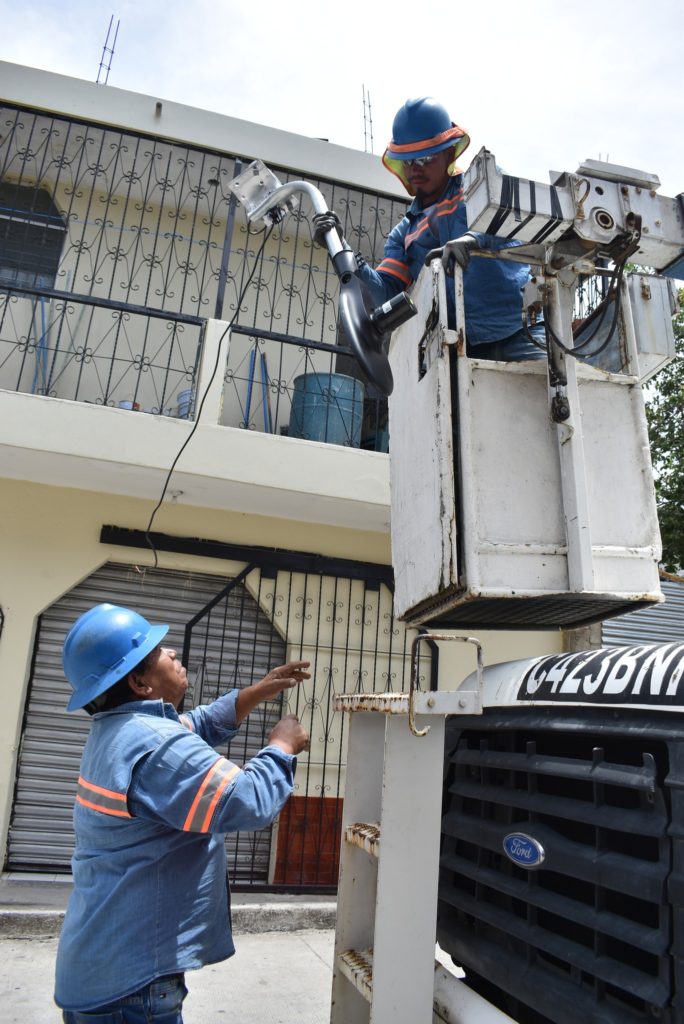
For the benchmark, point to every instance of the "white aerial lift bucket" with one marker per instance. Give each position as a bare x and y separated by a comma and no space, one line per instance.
519,501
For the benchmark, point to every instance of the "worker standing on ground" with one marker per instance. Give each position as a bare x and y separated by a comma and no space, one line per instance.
422,154
154,800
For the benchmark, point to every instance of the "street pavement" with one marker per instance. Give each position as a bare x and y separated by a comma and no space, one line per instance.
282,977
280,974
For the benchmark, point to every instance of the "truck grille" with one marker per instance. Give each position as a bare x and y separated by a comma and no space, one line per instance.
591,934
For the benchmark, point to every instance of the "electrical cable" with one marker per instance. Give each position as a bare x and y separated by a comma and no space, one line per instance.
185,444
600,314
531,338
616,317
614,290
577,348
601,310
614,293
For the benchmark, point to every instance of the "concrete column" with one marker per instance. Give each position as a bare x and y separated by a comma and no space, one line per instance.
216,346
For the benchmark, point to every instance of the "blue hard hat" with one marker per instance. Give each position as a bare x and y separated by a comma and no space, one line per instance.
422,127
102,646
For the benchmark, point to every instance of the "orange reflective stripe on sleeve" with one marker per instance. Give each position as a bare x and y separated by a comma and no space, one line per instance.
396,268
221,773
106,801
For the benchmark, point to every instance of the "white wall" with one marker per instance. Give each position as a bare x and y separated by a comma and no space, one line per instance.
108,105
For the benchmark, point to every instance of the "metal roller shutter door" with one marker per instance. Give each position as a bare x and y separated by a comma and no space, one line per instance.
659,625
41,832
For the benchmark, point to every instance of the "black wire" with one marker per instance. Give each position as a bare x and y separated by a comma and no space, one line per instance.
577,348
185,444
614,291
580,350
616,316
602,308
544,346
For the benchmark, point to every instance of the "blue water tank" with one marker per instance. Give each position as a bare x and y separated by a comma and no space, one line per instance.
327,407
186,402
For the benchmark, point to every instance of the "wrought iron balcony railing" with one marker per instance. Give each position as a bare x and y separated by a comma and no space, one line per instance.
115,250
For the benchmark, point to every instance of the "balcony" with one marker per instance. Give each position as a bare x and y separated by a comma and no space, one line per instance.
123,260
123,451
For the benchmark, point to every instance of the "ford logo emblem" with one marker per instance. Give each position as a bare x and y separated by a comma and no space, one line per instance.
523,850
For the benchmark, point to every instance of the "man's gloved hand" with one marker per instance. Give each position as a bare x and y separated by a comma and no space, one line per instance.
323,222
456,251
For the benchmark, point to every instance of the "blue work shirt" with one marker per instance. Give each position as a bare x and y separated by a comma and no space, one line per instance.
492,288
150,888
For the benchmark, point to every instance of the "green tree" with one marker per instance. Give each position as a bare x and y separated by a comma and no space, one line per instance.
665,414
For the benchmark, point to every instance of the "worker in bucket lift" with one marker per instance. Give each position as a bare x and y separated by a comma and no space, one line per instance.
154,801
422,154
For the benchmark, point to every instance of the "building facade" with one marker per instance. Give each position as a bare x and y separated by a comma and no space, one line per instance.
123,261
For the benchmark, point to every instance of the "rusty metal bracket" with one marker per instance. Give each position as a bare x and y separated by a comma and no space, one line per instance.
464,705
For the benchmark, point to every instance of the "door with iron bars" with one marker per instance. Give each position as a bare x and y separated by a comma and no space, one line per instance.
345,628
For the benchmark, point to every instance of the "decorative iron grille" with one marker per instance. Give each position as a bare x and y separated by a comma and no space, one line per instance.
153,247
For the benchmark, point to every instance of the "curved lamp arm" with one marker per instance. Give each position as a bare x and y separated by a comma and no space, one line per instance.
367,329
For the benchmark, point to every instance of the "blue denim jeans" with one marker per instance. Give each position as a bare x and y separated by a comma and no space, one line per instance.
160,1002
514,349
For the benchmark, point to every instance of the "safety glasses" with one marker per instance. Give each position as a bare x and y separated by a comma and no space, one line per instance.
421,161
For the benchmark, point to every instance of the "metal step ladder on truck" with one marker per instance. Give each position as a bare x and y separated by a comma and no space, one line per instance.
545,851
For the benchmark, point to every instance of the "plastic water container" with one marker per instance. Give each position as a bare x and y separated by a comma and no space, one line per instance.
327,407
186,402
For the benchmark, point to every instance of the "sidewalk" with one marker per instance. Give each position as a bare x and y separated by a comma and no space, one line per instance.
281,973
274,978
34,905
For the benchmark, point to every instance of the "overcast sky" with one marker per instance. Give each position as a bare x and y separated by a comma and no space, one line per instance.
542,85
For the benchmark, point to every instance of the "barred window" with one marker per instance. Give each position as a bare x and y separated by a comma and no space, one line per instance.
32,233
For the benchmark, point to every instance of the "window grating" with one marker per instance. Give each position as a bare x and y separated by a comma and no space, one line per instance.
32,233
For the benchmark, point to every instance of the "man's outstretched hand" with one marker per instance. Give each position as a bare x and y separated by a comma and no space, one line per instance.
290,735
283,677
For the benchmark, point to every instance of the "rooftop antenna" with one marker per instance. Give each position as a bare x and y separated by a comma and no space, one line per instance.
108,52
367,122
